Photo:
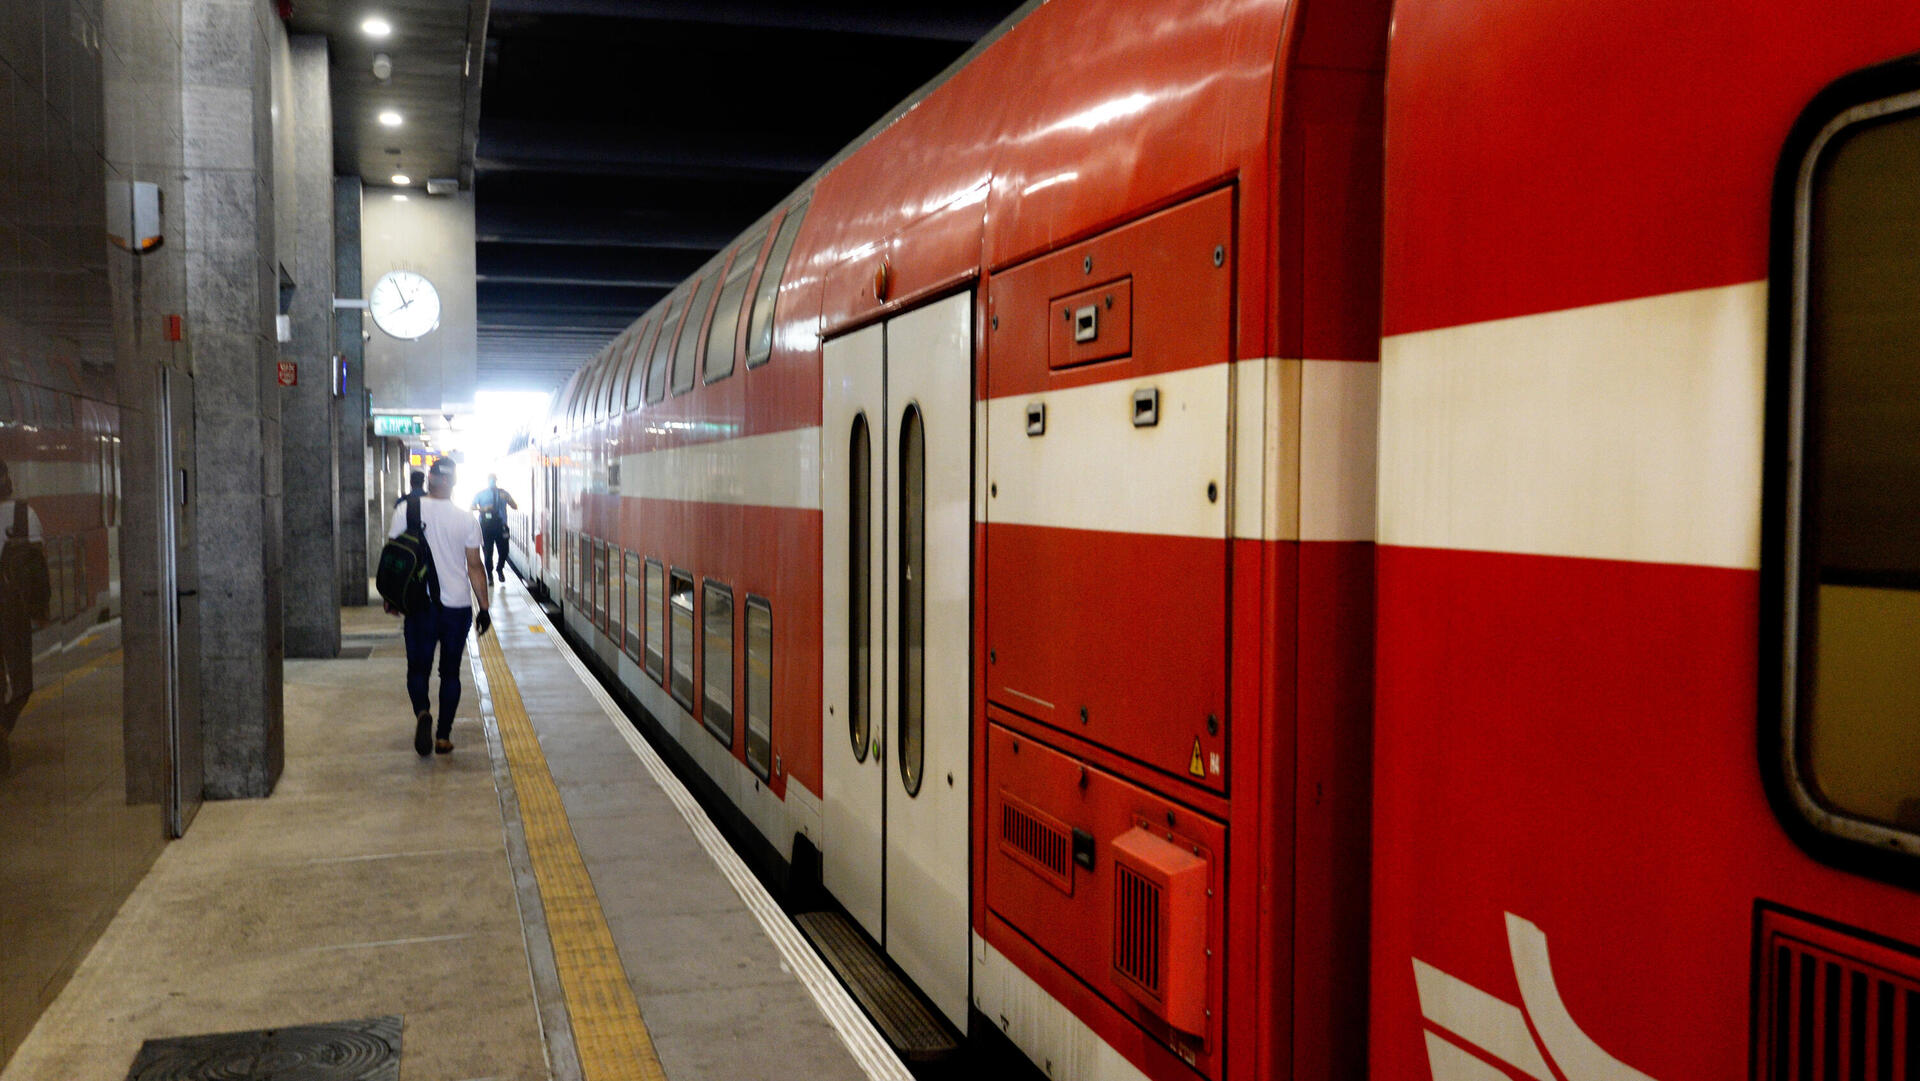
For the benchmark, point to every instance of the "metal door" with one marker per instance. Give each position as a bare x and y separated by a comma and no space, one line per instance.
852,463
180,635
897,467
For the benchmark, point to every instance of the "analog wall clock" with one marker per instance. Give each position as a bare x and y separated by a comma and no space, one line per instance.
405,305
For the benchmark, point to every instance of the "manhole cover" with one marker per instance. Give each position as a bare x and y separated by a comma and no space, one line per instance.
339,1051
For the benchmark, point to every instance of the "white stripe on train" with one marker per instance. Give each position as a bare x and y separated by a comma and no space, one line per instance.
1300,435
1628,431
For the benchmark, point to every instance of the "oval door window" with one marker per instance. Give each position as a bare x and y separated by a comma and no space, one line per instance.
913,598
859,587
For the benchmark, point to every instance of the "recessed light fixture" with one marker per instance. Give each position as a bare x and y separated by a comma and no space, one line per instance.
399,198
390,118
402,179
376,27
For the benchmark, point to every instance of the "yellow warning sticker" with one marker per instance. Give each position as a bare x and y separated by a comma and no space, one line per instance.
1197,765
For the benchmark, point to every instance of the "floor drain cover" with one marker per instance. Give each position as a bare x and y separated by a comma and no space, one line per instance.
340,1051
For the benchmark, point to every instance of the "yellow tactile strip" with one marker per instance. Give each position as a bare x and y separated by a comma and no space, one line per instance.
612,1039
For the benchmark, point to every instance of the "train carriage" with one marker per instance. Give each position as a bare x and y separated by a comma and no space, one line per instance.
993,528
980,521
1646,391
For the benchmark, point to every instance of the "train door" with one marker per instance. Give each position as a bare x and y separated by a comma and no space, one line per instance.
897,531
180,599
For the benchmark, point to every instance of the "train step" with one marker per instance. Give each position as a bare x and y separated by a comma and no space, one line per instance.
914,1028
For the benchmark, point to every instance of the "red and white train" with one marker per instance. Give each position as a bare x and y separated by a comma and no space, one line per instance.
1293,539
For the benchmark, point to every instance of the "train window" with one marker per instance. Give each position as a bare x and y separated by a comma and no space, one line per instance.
637,367
680,628
617,377
860,588
686,354
760,686
654,659
585,601
767,295
716,661
662,350
600,584
616,606
631,575
564,401
610,389
589,384
1849,480
913,599
573,568
726,310
602,374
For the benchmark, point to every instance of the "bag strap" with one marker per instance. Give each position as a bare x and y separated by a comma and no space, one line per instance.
413,513
19,528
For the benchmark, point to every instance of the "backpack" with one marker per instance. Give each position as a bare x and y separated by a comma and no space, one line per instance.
493,515
23,568
406,579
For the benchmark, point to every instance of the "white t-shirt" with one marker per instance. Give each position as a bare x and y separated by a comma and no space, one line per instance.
6,521
451,532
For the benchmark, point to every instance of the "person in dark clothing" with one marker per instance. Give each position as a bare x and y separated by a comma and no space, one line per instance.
24,594
491,504
419,482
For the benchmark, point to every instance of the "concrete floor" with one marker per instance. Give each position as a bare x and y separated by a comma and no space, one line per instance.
716,995
372,882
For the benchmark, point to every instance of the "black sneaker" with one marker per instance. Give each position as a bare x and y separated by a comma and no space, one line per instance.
423,734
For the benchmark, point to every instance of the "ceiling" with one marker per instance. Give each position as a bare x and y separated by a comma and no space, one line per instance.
623,142
435,48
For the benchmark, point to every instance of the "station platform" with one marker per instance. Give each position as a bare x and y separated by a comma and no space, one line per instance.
547,901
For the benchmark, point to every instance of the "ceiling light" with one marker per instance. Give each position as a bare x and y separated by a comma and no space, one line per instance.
377,27
382,66
399,198
402,179
390,118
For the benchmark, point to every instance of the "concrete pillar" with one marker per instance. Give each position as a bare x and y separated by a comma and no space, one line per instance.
351,347
308,424
230,51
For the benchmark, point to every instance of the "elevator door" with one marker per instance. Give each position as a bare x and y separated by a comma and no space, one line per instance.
897,539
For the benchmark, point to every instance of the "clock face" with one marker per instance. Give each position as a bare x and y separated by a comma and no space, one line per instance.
405,305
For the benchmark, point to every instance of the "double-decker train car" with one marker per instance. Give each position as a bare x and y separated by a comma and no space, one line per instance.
994,521
993,528
1645,787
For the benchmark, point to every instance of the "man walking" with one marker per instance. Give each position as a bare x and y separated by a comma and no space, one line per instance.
418,479
492,504
453,538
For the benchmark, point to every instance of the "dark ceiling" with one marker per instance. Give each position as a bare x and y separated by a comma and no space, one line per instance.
623,142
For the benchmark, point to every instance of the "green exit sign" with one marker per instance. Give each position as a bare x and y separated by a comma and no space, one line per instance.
391,425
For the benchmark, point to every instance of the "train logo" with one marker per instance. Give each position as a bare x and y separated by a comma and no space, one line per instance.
1500,1030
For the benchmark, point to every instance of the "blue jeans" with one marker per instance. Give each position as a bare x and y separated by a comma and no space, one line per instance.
444,629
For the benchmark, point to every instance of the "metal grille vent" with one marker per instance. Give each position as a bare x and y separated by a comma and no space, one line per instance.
1136,929
1835,1006
1036,839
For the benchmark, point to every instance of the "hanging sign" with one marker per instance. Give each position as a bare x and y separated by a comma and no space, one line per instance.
390,424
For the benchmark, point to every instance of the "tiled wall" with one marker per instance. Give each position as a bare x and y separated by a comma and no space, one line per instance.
89,96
